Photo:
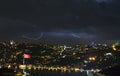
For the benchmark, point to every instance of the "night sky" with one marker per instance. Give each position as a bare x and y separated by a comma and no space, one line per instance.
60,20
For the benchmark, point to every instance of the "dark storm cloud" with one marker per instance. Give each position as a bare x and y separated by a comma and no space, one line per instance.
72,18
108,32
10,28
62,12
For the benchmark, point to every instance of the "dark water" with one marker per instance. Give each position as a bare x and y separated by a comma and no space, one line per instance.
56,73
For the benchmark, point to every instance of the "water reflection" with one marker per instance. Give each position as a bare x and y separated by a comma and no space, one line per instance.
59,71
56,73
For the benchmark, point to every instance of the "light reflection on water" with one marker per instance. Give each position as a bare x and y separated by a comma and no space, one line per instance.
56,73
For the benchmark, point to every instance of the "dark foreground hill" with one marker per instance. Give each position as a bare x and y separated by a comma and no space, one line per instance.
7,72
114,71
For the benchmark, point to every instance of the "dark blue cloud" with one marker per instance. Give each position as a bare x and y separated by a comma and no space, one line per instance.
79,19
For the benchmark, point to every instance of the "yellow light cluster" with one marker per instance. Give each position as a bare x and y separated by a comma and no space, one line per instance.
92,58
113,47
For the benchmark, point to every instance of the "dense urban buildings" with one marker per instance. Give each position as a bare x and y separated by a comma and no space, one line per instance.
80,57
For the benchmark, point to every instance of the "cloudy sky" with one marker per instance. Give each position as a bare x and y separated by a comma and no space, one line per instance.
60,20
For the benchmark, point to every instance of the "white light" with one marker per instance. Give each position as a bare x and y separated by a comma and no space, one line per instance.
85,61
11,43
108,54
0,66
